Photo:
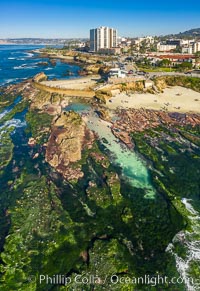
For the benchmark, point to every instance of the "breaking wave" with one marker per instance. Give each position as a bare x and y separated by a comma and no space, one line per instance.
8,81
29,54
4,113
15,123
19,67
190,241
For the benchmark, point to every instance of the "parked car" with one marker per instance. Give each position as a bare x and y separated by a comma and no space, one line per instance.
141,73
195,71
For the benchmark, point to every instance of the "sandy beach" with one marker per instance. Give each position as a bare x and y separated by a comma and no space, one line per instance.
76,84
177,99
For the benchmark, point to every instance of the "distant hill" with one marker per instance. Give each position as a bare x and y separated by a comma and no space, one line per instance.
192,33
45,41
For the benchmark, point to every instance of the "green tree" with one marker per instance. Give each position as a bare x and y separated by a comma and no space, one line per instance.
143,47
165,63
185,66
153,47
197,59
177,50
147,62
197,55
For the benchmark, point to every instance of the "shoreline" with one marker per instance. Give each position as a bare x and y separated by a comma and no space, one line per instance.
173,99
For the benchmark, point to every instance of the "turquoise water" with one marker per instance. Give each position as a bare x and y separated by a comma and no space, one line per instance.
136,172
78,107
132,166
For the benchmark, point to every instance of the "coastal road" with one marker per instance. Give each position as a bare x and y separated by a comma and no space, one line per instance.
162,74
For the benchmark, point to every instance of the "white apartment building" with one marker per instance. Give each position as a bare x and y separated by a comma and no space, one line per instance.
165,47
196,47
148,39
102,38
192,48
186,42
187,50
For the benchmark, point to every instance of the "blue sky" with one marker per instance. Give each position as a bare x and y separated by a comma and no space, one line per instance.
63,18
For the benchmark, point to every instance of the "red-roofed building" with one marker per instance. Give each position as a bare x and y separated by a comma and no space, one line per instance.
176,59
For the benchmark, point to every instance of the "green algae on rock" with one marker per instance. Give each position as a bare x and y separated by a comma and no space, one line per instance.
39,125
6,148
96,222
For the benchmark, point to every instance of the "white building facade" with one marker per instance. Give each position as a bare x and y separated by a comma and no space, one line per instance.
165,47
196,47
116,72
102,38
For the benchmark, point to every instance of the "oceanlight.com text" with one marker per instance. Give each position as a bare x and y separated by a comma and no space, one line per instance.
116,279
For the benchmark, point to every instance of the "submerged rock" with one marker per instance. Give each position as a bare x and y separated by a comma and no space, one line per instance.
31,141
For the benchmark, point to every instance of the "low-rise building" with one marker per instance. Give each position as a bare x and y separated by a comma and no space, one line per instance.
118,73
187,50
162,47
177,59
196,47
191,48
137,42
110,51
148,39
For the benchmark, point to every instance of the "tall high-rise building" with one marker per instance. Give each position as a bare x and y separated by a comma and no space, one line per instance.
102,38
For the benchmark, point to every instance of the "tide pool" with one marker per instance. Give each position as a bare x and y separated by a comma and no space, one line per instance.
132,166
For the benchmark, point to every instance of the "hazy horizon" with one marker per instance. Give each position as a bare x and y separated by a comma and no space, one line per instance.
87,37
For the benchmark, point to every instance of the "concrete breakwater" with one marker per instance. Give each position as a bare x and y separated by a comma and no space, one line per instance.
41,83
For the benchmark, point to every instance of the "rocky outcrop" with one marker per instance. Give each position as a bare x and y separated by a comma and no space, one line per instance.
160,84
32,142
134,120
42,64
69,137
40,77
183,81
94,69
124,137
102,96
47,102
139,120
104,114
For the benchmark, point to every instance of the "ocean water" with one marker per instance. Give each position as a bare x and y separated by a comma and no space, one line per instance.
132,166
18,62
190,241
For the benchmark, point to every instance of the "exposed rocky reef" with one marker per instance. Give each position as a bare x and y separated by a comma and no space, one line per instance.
68,210
69,137
133,120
